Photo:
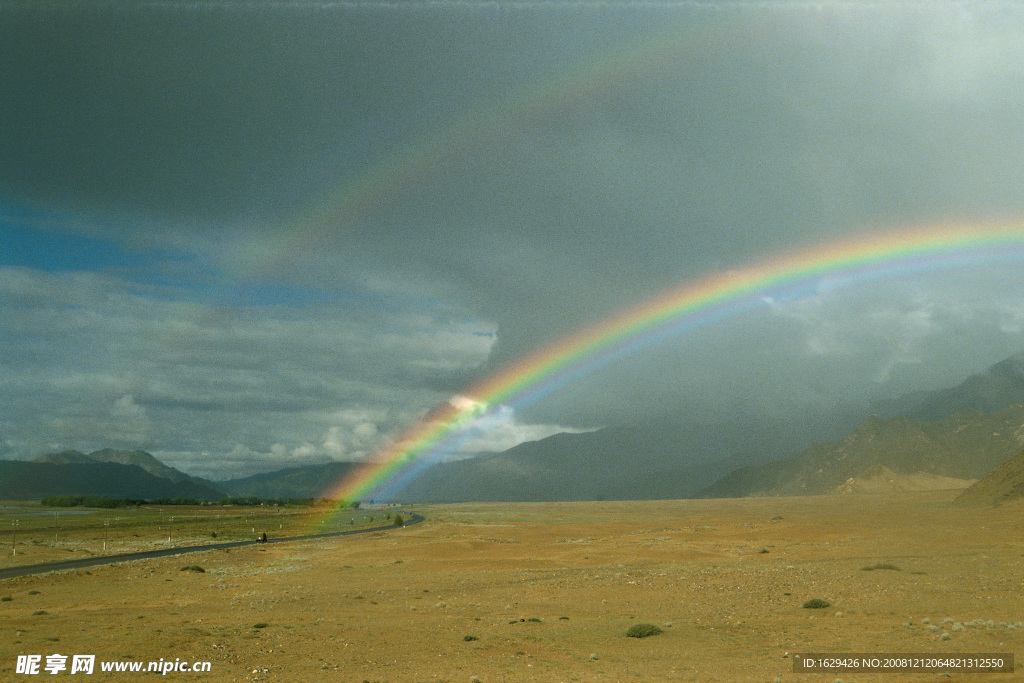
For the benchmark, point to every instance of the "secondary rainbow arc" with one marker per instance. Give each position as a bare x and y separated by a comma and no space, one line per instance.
678,309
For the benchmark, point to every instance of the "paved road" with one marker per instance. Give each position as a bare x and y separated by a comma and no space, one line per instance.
30,569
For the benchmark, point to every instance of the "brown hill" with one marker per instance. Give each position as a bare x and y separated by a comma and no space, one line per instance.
1004,483
880,479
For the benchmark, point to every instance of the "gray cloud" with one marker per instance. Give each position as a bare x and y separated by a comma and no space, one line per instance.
366,207
92,360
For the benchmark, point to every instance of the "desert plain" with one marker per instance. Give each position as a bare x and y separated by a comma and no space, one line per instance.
546,592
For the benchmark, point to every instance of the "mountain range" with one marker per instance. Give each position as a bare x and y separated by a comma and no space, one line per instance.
966,445
115,474
959,433
665,457
949,436
308,481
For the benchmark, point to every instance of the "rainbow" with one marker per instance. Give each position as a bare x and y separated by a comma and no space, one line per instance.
695,303
435,150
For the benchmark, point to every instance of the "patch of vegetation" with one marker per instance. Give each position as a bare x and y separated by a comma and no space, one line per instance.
399,520
535,619
762,551
6,598
39,613
817,603
94,502
643,630
193,568
261,624
881,565
469,639
33,592
563,618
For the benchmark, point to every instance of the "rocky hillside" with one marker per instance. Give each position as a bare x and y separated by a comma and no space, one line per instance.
967,445
1005,483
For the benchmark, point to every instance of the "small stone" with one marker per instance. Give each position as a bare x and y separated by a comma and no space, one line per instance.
839,614
593,656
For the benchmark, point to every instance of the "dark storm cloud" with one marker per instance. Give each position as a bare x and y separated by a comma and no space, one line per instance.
362,193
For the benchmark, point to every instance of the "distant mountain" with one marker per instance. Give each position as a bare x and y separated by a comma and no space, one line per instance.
967,445
21,480
999,386
123,457
1003,484
664,458
309,481
66,458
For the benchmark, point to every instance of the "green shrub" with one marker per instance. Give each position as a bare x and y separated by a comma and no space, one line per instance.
399,520
193,568
262,624
6,598
469,639
817,603
643,630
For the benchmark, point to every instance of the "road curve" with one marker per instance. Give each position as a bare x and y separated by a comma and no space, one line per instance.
31,569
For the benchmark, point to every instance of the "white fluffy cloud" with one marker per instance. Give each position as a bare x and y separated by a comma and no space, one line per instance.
93,361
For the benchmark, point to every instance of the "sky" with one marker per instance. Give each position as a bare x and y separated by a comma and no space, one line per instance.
252,235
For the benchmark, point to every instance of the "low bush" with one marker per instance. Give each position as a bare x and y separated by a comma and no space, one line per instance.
643,630
817,603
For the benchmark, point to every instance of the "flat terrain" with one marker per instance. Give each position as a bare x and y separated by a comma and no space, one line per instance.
33,534
546,592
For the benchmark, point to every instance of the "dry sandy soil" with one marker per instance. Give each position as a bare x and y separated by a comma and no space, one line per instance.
546,592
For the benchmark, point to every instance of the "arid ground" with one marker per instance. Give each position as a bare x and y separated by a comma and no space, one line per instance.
546,592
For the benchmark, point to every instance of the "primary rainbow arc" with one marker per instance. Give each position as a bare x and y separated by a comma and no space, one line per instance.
708,299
